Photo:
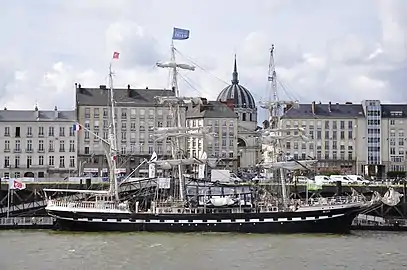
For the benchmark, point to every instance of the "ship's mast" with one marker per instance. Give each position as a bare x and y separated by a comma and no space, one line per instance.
275,109
174,81
176,153
174,66
272,78
113,139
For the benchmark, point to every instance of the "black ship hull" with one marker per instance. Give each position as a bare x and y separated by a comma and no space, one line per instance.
321,221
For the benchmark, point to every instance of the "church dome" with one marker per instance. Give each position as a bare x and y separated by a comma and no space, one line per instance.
242,98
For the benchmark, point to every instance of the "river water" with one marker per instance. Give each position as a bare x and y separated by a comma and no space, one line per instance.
49,250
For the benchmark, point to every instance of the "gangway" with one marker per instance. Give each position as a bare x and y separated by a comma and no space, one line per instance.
35,204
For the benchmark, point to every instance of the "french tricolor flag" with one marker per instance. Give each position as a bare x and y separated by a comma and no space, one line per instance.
76,127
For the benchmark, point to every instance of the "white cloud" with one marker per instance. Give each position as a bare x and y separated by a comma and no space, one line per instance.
392,14
325,53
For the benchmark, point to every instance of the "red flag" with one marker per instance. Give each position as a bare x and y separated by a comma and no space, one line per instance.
116,55
14,184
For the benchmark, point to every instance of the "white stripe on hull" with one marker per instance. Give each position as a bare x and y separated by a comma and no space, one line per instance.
209,221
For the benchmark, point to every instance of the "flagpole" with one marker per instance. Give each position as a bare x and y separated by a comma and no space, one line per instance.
306,193
8,199
174,70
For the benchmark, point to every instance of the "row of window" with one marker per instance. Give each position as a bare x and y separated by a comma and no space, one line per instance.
18,174
123,124
132,150
397,168
41,132
295,145
400,133
373,114
397,158
41,161
41,147
194,144
124,112
400,151
400,142
393,122
329,135
210,123
375,122
327,124
141,138
327,155
373,131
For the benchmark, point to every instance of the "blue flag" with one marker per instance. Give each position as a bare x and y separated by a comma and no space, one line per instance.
180,34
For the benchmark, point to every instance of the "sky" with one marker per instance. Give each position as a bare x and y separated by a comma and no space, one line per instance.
325,50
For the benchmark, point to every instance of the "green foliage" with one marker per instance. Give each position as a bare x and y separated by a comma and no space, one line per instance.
396,174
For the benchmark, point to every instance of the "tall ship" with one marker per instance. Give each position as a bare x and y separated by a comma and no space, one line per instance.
172,207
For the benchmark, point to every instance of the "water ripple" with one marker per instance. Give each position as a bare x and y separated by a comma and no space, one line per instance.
43,250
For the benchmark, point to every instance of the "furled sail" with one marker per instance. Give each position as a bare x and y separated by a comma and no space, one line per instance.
392,197
222,201
290,165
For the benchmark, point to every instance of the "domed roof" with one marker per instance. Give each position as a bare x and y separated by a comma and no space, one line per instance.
240,95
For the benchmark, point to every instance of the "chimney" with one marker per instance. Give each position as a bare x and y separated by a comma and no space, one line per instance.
128,86
146,87
102,86
5,108
287,107
37,112
329,106
129,91
313,108
173,89
202,108
79,87
56,112
230,103
266,124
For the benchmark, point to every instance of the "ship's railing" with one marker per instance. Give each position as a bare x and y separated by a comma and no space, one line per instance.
89,205
330,200
26,221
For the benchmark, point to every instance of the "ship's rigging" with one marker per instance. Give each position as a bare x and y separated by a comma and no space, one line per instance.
257,213
274,135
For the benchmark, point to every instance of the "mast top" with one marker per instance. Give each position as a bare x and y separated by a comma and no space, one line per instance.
235,75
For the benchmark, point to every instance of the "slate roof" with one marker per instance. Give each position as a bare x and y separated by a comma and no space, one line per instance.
242,98
213,109
126,97
31,116
392,110
322,110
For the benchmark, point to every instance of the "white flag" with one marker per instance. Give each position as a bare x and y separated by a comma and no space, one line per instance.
153,157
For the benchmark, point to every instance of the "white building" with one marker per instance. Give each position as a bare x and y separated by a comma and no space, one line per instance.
138,113
366,138
37,143
222,121
241,101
